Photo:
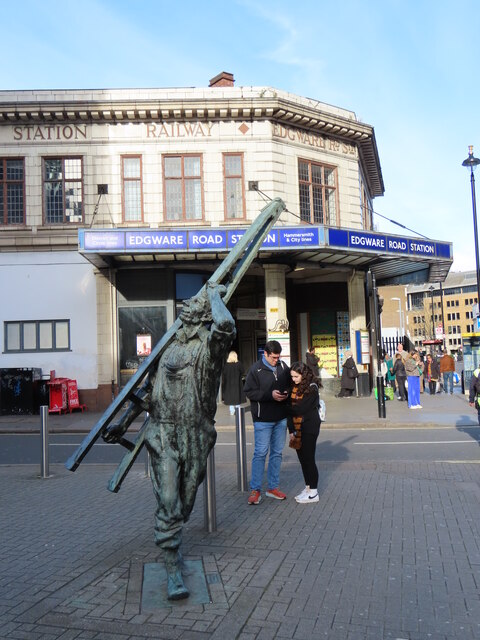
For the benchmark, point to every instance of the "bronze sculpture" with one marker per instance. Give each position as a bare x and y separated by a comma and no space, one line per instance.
181,432
185,363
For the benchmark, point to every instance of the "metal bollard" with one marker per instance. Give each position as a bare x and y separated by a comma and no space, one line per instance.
242,483
147,456
210,510
44,466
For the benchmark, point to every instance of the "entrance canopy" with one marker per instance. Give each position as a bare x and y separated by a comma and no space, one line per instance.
393,259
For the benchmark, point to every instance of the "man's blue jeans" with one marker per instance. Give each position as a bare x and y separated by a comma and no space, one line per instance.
448,381
268,436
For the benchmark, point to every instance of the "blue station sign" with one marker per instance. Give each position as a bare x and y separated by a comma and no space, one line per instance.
193,240
278,238
381,243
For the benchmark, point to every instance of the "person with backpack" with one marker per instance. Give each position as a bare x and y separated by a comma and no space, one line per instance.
474,392
303,424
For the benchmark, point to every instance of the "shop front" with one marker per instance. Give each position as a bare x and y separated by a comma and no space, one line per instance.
306,288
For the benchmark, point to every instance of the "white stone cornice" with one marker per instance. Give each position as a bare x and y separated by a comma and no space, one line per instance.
245,104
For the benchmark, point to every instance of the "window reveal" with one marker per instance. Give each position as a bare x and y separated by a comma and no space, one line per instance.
318,193
12,190
63,191
183,188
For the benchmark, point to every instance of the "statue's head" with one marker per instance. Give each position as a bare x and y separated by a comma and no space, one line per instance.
196,310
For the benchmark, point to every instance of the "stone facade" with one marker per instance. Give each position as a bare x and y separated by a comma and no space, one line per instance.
271,131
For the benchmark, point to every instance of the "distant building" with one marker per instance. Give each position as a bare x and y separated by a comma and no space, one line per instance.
452,304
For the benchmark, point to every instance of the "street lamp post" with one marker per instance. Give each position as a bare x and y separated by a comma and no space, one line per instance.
472,162
400,321
431,289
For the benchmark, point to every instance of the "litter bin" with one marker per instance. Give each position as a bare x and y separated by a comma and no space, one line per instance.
20,391
363,385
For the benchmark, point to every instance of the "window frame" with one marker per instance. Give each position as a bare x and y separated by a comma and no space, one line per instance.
21,324
324,187
5,182
183,178
240,177
64,182
130,156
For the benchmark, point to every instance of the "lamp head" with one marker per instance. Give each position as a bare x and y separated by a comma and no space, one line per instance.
471,161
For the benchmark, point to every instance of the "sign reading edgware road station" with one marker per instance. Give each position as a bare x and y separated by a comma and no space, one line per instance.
280,238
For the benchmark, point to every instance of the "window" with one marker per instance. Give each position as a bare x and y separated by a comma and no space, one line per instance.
183,190
318,193
234,185
12,190
62,190
37,335
132,197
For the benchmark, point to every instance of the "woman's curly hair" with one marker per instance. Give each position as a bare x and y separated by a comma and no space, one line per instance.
308,377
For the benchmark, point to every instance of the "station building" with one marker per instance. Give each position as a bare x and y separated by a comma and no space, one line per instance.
116,205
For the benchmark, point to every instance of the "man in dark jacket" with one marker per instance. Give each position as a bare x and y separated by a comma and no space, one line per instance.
267,387
474,392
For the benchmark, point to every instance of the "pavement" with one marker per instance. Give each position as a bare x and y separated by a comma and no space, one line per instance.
391,551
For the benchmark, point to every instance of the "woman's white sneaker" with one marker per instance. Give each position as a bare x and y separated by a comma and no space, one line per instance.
300,495
308,496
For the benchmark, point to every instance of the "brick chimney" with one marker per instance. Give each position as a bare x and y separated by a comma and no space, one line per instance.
223,79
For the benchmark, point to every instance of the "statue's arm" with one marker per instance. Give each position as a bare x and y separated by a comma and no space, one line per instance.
221,316
114,432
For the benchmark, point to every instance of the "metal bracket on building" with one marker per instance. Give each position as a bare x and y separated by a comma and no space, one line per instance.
102,190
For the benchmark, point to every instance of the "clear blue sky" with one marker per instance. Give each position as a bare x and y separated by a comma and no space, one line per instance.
409,68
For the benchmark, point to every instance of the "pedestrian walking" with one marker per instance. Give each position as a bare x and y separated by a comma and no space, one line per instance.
312,361
400,377
412,370
349,375
232,382
390,377
267,387
404,354
474,392
431,373
447,369
304,426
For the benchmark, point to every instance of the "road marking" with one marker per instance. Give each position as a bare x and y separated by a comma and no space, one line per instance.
421,442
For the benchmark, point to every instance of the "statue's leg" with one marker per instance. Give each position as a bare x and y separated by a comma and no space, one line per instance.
176,589
165,474
194,468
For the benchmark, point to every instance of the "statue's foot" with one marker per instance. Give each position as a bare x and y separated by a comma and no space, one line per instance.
176,589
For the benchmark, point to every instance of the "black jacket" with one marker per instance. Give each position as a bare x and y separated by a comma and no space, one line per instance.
399,369
349,373
307,407
232,383
260,383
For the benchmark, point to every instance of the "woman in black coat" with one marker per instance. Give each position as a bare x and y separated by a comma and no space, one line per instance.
303,424
349,375
232,382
